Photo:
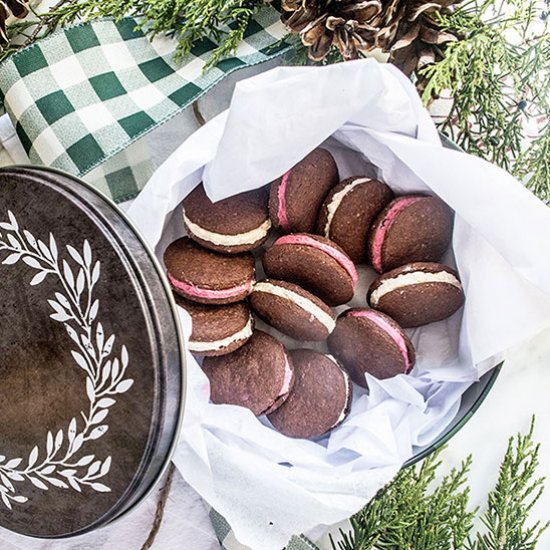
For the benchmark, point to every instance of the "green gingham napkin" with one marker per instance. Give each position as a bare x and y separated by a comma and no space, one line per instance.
84,94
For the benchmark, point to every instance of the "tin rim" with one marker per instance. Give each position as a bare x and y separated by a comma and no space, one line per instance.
446,436
488,379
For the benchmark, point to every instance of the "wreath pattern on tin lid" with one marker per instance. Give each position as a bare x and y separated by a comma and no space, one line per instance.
63,461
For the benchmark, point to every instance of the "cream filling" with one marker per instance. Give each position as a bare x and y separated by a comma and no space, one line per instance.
346,382
412,278
334,204
245,332
304,303
250,237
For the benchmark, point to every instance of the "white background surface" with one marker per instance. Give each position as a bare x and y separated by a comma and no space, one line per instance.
521,390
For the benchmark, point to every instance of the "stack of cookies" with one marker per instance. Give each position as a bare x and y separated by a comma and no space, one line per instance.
324,227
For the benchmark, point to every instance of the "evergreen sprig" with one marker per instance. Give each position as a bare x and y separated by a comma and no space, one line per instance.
496,74
410,514
188,21
516,492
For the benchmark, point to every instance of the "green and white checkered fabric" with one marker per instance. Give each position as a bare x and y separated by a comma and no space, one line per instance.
82,95
123,175
229,542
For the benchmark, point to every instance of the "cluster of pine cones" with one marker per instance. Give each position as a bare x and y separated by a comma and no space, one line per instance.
406,29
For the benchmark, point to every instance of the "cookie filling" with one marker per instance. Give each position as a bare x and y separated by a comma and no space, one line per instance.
382,228
412,278
192,290
335,254
337,199
345,411
250,237
302,302
281,195
287,379
389,329
246,332
281,398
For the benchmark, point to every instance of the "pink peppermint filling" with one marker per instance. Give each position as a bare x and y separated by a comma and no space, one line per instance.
198,292
335,254
281,195
392,331
287,379
380,231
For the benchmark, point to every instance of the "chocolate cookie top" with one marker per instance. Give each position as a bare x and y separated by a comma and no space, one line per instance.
296,197
366,340
188,262
315,263
292,310
320,400
412,228
237,214
233,225
348,212
259,375
217,330
418,293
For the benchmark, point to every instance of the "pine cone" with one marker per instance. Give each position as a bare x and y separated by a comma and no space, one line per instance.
17,8
323,23
410,33
406,29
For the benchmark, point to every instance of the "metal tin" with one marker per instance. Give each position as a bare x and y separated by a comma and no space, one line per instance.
53,214
92,393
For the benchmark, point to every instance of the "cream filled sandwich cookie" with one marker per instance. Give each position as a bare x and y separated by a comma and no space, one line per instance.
233,225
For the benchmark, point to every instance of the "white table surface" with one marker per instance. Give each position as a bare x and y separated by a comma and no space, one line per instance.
521,390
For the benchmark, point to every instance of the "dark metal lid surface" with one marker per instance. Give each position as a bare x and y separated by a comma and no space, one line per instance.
91,378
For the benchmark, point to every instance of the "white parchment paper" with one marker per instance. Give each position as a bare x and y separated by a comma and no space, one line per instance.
269,486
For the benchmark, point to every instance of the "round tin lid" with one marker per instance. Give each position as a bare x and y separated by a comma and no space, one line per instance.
91,378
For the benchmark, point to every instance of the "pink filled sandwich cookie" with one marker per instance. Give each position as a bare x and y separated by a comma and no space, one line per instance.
314,263
366,340
296,197
207,277
258,376
412,228
321,398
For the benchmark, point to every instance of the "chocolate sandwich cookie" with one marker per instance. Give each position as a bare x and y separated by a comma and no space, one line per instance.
208,277
236,224
292,310
258,376
366,340
321,398
217,330
348,212
412,228
296,197
417,294
315,263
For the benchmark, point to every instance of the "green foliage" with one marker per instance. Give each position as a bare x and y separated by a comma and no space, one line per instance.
411,514
498,67
509,504
406,514
188,21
